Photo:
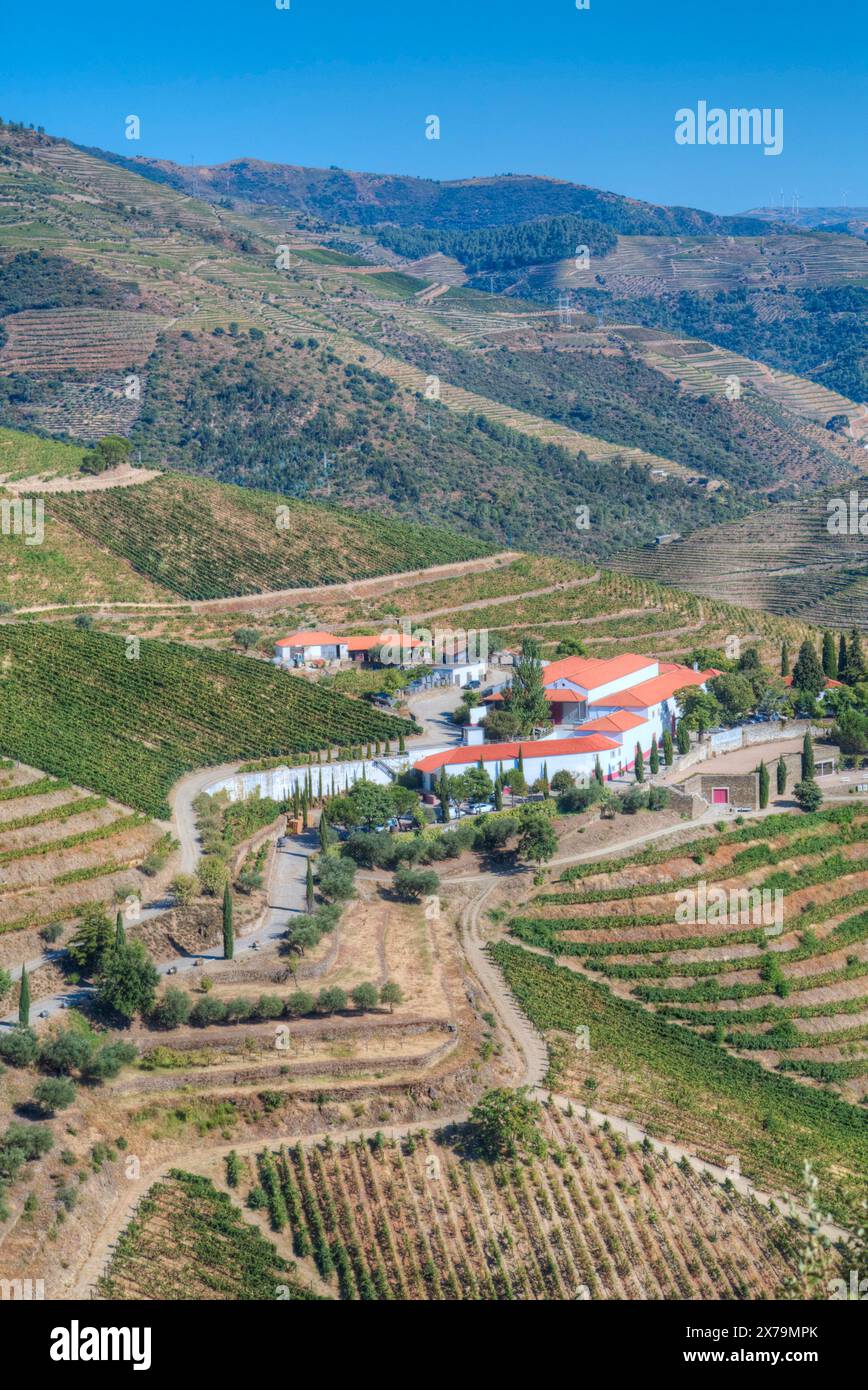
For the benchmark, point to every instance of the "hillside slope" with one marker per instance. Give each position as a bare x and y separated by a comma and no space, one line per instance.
325,379
784,559
77,705
344,195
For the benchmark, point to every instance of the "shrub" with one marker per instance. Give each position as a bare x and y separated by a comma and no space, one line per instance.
19,1047
108,1060
365,996
332,1000
185,888
391,994
172,1010
68,1051
213,875
578,798
207,1011
412,884
54,1093
335,876
269,1006
299,1004
239,1009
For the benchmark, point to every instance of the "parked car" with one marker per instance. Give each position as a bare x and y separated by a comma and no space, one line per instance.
43,1013
481,808
473,685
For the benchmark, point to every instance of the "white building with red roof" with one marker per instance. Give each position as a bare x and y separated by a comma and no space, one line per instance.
627,700
538,757
308,645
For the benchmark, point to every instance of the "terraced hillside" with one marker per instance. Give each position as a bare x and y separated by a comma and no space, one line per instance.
509,597
315,379
654,264
552,599
784,560
63,849
414,1220
127,721
685,1088
802,967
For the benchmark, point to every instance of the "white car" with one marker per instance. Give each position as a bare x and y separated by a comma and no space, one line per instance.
481,808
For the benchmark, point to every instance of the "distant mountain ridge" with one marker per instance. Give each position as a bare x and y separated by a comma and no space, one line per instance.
364,199
853,220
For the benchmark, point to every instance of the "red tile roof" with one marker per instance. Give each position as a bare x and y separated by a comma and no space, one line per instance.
554,697
619,722
830,684
591,671
501,752
309,639
651,692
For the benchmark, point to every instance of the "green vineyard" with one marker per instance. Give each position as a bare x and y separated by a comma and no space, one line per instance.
659,1074
187,1241
202,540
72,704
804,977
415,1219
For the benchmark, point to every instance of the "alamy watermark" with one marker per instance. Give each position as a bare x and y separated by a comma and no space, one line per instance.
739,125
23,516
754,907
847,516
443,647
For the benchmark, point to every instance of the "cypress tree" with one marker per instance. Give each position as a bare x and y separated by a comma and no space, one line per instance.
682,734
319,789
785,658
807,758
807,672
598,769
228,931
498,796
545,778
782,775
830,657
443,794
763,786
654,760
668,750
325,833
120,934
842,658
24,1000
310,902
855,659
639,764
401,746
520,760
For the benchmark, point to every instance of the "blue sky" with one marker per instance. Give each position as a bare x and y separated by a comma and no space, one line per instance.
525,87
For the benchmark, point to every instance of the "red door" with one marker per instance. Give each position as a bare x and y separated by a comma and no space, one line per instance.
719,796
